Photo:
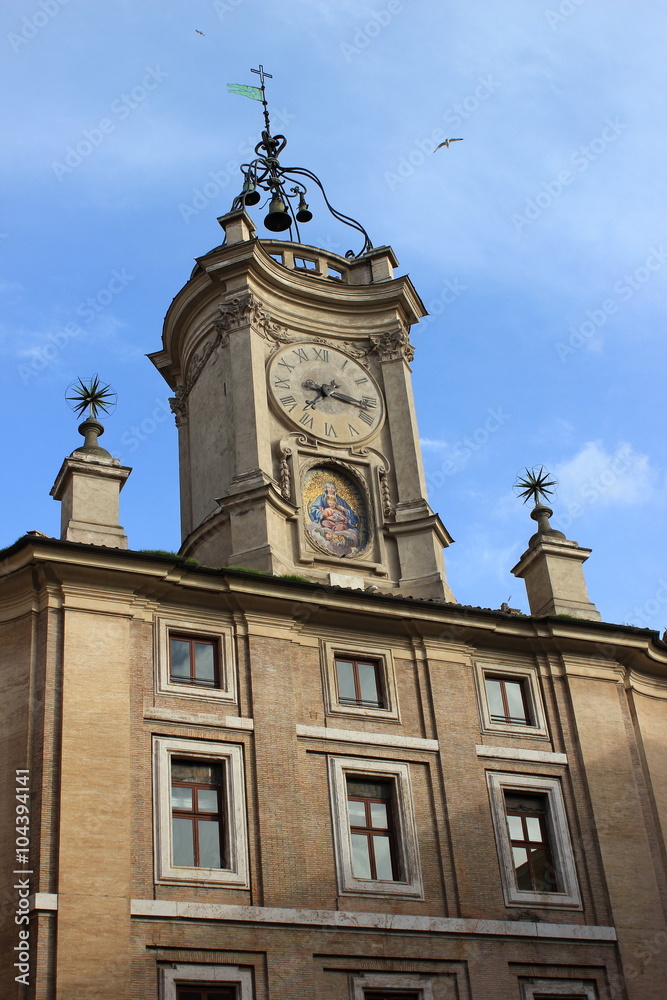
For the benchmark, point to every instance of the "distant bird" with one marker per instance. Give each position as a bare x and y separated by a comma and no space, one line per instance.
446,143
199,32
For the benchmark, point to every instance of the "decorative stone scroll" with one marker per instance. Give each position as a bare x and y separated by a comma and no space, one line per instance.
387,506
393,345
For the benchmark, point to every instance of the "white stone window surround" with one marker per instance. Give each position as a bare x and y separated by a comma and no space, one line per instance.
216,975
329,651
407,850
529,674
559,840
234,811
533,989
208,628
388,981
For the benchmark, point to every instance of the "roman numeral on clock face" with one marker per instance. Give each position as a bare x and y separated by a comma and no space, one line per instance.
301,354
369,401
365,417
330,430
281,383
321,353
289,402
306,420
285,364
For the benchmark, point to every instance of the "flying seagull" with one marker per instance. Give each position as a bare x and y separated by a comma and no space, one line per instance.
446,143
199,32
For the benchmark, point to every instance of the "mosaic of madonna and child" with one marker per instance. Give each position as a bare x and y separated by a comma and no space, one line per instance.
334,512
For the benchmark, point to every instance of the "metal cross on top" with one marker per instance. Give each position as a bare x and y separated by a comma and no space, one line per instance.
262,75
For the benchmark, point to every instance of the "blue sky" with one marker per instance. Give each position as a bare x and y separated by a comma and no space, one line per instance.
538,244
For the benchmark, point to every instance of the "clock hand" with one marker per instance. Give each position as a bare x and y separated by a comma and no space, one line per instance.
348,399
312,403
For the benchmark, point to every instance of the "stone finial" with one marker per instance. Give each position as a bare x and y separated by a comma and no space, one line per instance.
90,479
552,565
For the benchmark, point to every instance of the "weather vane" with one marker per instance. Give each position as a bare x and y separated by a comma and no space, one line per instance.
281,184
535,484
90,394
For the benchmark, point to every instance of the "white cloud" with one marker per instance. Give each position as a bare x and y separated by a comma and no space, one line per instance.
594,475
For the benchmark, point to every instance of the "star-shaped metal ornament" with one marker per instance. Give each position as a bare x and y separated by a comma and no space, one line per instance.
535,484
90,394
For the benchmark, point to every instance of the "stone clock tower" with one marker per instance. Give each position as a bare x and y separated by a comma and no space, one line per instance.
299,449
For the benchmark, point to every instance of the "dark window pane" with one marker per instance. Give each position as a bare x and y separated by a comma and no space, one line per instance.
361,863
517,710
209,844
495,698
346,690
544,877
368,684
379,817
207,800
357,813
184,851
181,798
523,879
383,865
204,661
180,658
525,802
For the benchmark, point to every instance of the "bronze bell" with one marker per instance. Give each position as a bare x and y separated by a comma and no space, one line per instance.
250,193
304,214
278,219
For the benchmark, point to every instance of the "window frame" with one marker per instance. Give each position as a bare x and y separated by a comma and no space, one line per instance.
382,656
568,896
390,982
202,977
409,884
205,629
379,686
529,675
233,811
202,640
370,831
541,989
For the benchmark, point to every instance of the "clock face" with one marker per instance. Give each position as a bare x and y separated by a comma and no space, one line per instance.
325,393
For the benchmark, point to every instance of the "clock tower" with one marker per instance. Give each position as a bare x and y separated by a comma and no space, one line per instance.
290,366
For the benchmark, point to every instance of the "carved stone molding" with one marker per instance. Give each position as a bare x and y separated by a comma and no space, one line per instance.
393,345
285,473
179,406
387,506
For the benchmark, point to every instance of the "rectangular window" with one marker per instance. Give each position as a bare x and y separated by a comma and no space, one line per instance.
369,806
204,993
200,815
193,660
508,700
392,995
529,837
534,846
197,822
375,837
359,683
